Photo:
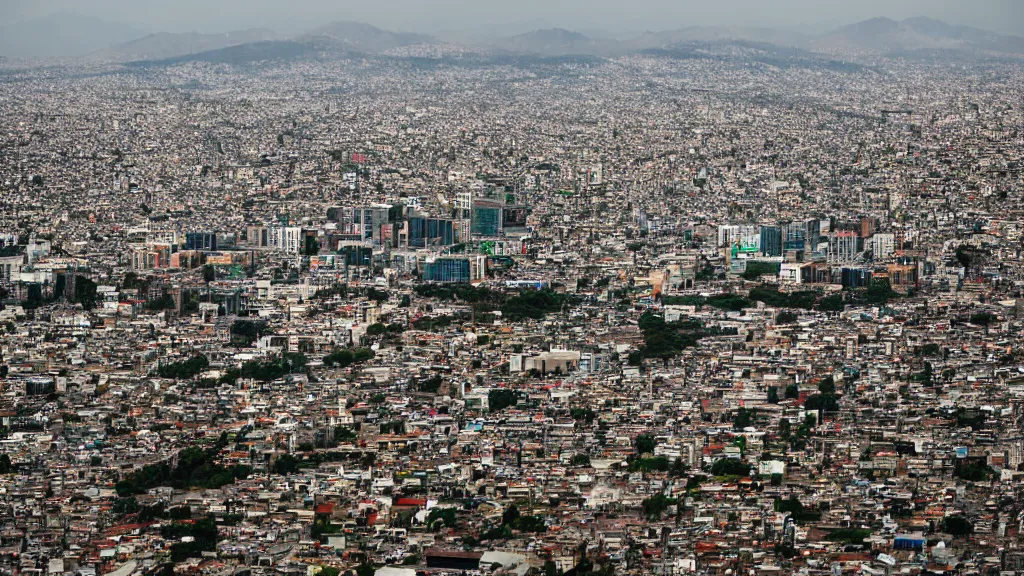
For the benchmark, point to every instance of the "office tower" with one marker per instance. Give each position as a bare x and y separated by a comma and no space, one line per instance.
285,238
883,245
771,241
867,227
487,218
842,246
201,241
455,269
367,221
424,232
795,236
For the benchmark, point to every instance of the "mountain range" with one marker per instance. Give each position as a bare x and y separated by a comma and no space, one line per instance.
63,36
69,36
164,45
556,42
360,37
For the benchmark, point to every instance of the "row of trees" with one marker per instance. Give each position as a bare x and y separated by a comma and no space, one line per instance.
193,467
877,293
184,369
286,363
344,357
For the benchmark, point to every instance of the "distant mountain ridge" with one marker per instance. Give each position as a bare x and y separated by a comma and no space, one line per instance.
242,54
556,42
98,40
364,37
164,45
669,38
63,35
878,35
915,34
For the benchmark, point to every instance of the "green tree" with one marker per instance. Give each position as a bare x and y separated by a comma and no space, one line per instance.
245,332
439,517
644,444
344,357
832,303
825,402
791,505
982,318
532,304
730,467
974,472
879,292
286,464
85,292
785,317
184,369
551,569
500,398
655,506
742,419
756,269
957,525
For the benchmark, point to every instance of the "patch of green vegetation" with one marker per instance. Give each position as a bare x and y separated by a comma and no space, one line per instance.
184,369
848,535
730,467
287,363
500,398
532,304
195,468
204,538
245,332
656,505
771,296
344,357
431,323
757,268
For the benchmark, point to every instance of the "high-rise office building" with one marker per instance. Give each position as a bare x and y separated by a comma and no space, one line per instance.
795,236
455,269
367,221
285,238
883,245
867,227
843,246
487,218
354,254
744,234
771,241
424,232
855,277
206,241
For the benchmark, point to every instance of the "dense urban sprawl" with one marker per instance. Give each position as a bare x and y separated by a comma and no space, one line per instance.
660,313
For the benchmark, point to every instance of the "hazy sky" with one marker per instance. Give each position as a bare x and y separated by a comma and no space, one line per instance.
495,16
